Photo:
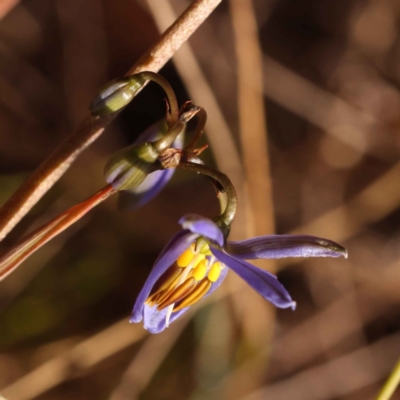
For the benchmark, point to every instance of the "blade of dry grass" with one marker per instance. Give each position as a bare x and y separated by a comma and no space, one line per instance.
82,356
89,353
367,207
254,144
338,377
147,361
322,332
330,113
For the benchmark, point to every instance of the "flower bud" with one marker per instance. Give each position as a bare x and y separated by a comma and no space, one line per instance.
116,94
129,167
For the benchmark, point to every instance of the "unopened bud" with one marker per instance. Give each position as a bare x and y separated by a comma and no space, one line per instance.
116,94
129,167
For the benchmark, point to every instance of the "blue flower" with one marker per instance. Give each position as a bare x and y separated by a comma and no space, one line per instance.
196,260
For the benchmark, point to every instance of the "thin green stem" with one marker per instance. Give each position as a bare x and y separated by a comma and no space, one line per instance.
228,215
391,384
173,102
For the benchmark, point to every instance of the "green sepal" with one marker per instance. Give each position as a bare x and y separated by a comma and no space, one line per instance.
116,95
129,167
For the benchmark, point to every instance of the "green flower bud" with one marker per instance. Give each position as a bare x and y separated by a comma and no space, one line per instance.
116,94
129,167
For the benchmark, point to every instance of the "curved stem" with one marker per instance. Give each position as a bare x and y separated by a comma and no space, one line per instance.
173,102
228,215
202,115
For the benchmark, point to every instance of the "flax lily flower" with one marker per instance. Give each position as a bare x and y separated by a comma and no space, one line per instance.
197,259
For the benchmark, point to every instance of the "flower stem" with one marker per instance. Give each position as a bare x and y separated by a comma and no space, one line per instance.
391,384
228,215
35,240
202,115
173,102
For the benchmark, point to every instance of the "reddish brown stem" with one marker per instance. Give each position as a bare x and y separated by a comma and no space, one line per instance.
35,240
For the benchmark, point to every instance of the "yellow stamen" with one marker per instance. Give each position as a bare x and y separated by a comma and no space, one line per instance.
197,294
178,293
186,257
215,271
200,270
186,273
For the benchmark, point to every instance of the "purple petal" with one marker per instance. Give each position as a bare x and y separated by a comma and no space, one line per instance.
179,243
153,132
281,246
266,284
154,320
146,191
203,227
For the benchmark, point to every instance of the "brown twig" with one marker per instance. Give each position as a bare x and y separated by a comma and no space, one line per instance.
92,127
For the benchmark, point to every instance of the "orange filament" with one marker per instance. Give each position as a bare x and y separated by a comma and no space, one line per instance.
154,298
169,278
178,293
196,295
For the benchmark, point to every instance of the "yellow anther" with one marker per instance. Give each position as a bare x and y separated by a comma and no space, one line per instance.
215,271
201,270
186,257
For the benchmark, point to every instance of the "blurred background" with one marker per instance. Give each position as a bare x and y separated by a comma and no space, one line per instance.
313,148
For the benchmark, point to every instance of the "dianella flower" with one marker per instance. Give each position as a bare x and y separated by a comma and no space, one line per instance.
197,259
